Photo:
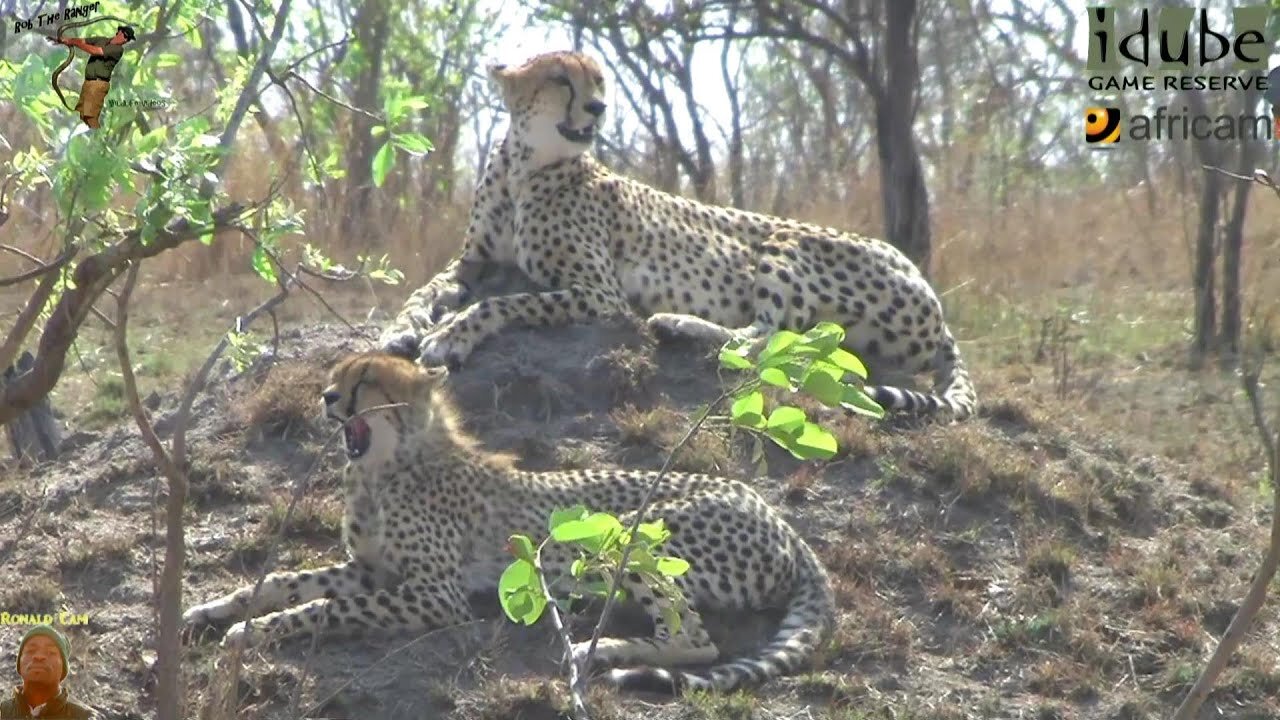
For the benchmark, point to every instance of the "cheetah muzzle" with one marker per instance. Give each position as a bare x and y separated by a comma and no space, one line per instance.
584,136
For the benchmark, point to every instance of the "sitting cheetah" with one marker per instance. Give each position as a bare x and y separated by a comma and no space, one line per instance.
427,518
603,244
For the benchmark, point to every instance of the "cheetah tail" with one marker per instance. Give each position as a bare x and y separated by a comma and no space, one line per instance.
954,392
809,621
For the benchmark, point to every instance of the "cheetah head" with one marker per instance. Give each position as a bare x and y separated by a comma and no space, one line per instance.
360,383
556,101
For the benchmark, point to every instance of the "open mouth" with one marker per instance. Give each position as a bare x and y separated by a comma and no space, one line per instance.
357,435
585,135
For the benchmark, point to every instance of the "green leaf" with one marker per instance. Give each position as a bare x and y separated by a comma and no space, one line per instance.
149,142
857,400
848,362
824,337
822,386
564,515
597,525
641,560
578,569
382,163
748,410
734,356
416,102
778,342
672,566
653,533
165,60
786,419
814,443
413,143
521,547
520,592
263,266
775,377
671,616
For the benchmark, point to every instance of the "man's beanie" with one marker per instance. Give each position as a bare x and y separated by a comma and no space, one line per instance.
47,630
128,32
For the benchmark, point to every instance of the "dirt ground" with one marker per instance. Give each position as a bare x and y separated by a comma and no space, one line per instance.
1063,555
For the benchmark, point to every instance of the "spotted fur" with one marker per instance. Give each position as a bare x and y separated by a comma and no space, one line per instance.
606,245
428,514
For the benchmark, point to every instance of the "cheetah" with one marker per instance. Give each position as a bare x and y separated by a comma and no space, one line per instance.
604,245
428,514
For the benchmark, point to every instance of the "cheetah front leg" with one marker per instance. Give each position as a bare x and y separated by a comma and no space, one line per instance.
284,589
453,341
428,305
488,239
424,602
689,645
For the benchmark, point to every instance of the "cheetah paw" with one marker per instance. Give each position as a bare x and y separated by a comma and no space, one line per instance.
205,614
400,342
238,636
444,347
673,326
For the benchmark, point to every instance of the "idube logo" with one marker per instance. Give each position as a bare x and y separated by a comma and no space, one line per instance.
1227,56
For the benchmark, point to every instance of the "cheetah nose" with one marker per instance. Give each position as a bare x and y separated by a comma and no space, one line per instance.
595,107
330,397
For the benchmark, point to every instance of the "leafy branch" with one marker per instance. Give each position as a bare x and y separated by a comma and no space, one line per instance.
813,363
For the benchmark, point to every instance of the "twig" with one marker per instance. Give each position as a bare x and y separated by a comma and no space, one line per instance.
294,279
577,675
334,100
639,517
1259,176
41,267
1257,594
168,645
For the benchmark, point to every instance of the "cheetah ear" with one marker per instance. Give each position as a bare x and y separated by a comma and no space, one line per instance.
503,77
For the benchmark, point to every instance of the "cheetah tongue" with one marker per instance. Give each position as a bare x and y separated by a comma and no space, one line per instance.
358,436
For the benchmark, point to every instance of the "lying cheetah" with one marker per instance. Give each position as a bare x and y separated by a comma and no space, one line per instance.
606,245
428,514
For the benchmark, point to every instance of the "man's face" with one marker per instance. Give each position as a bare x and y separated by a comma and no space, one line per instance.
41,661
119,39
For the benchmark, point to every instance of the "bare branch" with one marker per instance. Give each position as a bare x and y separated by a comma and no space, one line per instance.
120,336
1257,595
334,100
92,276
26,320
41,266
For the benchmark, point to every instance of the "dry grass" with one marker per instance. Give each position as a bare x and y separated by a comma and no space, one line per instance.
642,431
285,403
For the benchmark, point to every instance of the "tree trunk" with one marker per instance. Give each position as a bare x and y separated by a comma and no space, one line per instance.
1233,245
371,26
1205,313
902,186
35,435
